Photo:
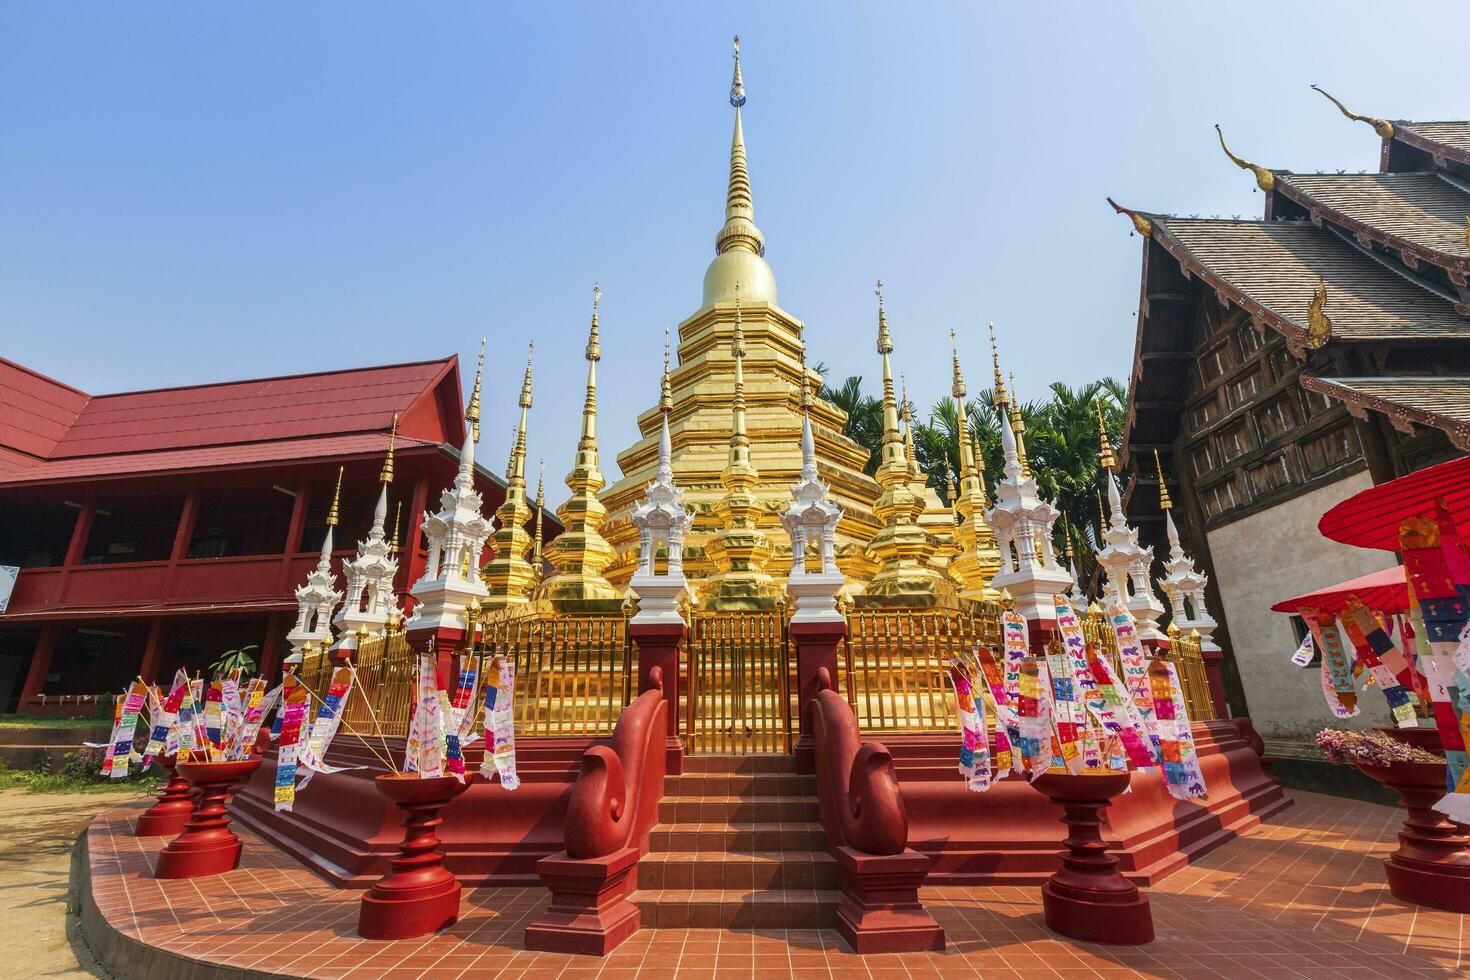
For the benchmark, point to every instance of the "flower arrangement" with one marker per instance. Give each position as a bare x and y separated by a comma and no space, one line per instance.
1370,748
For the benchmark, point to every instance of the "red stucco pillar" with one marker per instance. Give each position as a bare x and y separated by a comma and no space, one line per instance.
40,665
816,647
270,650
152,652
1216,675
658,646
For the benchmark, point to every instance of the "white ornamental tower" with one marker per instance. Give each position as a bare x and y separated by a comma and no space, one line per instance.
1022,523
812,519
370,599
661,519
1184,585
456,537
319,596
1128,565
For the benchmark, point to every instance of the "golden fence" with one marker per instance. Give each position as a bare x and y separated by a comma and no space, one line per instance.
574,674
1189,664
739,686
893,671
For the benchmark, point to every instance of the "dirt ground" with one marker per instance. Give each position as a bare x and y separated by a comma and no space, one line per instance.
37,831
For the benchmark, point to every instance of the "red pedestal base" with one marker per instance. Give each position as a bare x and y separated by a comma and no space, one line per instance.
590,912
1432,864
1087,898
167,817
207,846
419,896
880,910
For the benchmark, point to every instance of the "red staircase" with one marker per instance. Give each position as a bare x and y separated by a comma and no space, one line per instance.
739,844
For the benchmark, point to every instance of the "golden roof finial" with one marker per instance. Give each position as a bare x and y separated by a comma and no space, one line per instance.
666,388
1102,514
806,388
1265,179
737,337
472,410
998,393
1382,127
1319,324
525,399
333,514
957,380
1164,502
594,341
739,230
397,520
1106,458
737,84
540,509
885,339
387,475
1141,224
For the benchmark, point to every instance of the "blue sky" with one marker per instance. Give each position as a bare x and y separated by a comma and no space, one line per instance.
198,192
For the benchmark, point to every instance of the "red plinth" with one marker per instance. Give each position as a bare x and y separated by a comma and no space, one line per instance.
590,912
167,817
418,896
1432,864
880,910
658,646
1087,898
816,647
207,846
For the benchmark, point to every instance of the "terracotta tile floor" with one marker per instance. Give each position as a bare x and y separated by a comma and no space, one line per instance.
1300,896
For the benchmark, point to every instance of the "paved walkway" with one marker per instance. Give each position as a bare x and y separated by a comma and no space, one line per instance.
1300,896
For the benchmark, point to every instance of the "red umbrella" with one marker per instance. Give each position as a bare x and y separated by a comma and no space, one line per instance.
1371,518
1382,592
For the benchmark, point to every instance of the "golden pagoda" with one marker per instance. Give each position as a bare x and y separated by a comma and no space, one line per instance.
509,576
907,574
580,553
700,420
979,557
739,550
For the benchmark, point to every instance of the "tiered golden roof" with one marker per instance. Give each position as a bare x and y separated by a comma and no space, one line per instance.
509,576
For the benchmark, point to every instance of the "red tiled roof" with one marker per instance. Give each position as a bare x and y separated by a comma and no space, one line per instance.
205,457
35,412
333,403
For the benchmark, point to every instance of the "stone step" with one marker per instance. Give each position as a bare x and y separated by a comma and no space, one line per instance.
68,736
35,756
745,837
736,909
737,810
761,870
700,784
739,763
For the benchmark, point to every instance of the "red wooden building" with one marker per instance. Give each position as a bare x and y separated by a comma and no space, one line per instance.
158,529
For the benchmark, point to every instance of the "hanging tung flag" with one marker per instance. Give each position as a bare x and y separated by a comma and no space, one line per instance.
500,735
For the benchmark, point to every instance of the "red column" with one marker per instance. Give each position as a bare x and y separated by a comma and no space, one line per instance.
1216,675
40,665
658,646
816,647
294,531
182,536
410,568
270,651
80,531
152,652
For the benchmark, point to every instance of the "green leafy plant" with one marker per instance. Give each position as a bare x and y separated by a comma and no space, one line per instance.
240,660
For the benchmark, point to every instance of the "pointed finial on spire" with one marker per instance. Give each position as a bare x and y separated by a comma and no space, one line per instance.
387,475
397,520
957,381
1164,502
472,410
950,486
1102,515
540,510
1106,458
1265,179
737,338
666,388
737,84
525,399
1066,539
594,341
806,388
998,395
333,514
885,339
1382,127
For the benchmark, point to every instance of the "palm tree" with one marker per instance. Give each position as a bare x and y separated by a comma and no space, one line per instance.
864,416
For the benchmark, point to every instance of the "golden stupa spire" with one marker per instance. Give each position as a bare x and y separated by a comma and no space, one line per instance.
386,476
508,576
895,459
979,558
739,441
334,514
1265,179
1018,426
908,434
665,386
472,410
579,554
1102,515
806,388
1382,127
998,392
1106,457
739,230
397,520
1164,502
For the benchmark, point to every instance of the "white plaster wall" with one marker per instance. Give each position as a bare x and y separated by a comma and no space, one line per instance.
1270,556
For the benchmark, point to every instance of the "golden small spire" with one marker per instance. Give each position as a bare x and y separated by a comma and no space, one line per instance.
998,393
1141,224
1018,426
472,410
1164,502
885,339
1102,515
907,416
950,486
397,520
737,84
1265,179
387,475
806,388
1106,457
957,380
666,388
1067,539
1382,127
525,399
1319,324
737,336
540,509
594,343
333,514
